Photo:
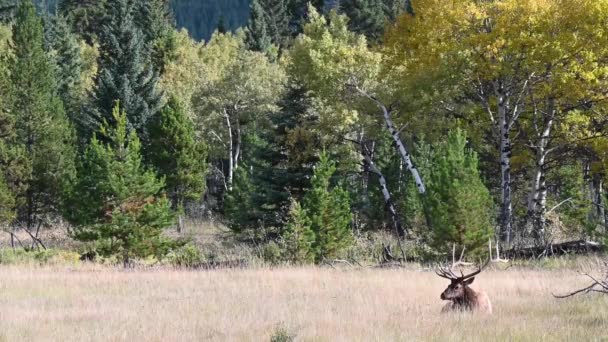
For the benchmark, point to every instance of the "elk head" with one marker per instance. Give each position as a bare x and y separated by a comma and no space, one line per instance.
457,290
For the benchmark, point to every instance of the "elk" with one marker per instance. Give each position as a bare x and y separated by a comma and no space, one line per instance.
460,295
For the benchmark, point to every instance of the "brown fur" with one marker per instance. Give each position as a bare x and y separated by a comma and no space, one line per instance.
464,298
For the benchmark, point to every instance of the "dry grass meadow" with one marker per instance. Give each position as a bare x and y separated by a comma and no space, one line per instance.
312,304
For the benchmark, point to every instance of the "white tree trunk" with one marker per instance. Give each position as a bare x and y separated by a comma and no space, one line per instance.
505,169
405,156
230,173
537,204
388,201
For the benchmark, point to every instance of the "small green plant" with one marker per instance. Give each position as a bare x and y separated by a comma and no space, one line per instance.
188,256
282,334
271,253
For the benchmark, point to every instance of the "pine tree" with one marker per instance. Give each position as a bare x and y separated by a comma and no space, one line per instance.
114,201
457,203
155,20
258,38
369,17
84,16
298,237
41,126
177,155
7,146
8,9
277,21
222,27
328,211
62,46
125,72
298,10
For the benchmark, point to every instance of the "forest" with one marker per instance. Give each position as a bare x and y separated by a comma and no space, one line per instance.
303,170
309,132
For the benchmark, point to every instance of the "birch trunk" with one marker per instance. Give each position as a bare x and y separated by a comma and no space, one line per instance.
230,173
505,169
537,205
401,148
388,201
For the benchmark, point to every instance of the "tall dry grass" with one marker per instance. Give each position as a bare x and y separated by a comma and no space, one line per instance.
101,304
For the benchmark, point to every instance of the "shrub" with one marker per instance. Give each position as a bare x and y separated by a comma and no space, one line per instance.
282,334
188,256
271,253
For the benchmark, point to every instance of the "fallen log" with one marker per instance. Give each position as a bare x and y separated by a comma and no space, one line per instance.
556,249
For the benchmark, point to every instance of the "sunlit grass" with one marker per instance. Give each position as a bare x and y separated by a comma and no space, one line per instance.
105,304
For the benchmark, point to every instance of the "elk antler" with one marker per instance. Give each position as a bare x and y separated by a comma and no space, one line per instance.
476,272
447,273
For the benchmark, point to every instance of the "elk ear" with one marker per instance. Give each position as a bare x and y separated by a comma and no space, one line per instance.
469,281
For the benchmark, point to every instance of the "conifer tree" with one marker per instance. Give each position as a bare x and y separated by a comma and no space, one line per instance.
258,38
328,210
177,155
155,20
277,19
114,201
64,51
7,146
84,16
298,237
125,72
369,17
8,9
457,204
41,126
298,10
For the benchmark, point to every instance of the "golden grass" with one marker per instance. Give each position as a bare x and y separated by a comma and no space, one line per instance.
102,304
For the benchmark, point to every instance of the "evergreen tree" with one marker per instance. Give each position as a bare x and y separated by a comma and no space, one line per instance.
258,38
457,203
298,10
155,20
277,21
62,46
298,237
125,72
176,154
369,17
221,25
41,127
7,146
84,16
328,211
114,201
8,9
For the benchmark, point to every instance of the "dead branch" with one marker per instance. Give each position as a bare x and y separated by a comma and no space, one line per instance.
597,285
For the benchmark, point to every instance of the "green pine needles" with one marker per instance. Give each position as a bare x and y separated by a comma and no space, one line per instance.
115,201
457,203
320,228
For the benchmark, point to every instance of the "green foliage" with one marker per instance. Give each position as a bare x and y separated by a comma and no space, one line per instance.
8,9
240,208
64,50
282,334
457,203
125,72
40,154
298,237
115,201
187,256
155,19
369,17
328,210
39,257
84,16
177,154
258,38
